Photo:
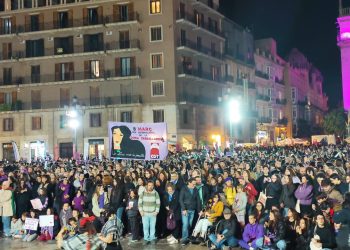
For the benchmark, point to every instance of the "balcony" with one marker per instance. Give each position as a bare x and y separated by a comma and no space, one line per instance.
279,81
96,101
190,18
198,99
123,45
130,17
187,71
262,74
229,78
283,121
263,97
265,120
16,106
199,48
70,23
240,82
344,12
133,72
281,101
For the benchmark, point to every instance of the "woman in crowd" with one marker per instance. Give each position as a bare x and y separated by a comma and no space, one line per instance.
304,194
99,200
273,192
287,198
132,212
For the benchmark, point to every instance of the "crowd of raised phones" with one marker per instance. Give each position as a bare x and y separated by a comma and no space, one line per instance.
256,198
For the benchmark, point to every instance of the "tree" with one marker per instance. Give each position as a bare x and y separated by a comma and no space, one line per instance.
334,122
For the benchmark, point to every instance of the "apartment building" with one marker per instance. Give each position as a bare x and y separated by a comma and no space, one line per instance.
130,61
271,101
305,93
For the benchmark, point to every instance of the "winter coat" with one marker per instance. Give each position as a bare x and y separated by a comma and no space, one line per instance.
6,208
336,199
304,193
287,196
273,193
253,232
231,226
240,203
189,201
173,204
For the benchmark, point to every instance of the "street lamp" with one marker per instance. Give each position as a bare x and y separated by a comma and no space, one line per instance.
234,115
73,123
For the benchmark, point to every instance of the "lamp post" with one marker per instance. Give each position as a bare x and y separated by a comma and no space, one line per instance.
235,117
73,123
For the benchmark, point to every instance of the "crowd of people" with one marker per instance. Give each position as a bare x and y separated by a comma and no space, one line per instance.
257,198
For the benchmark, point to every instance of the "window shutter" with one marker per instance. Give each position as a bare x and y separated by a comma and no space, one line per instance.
57,71
14,96
115,13
133,69
5,50
102,68
55,19
117,66
13,22
100,14
2,98
86,69
41,21
131,11
71,71
85,16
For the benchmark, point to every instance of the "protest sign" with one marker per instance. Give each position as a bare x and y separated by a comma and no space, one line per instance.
31,224
138,141
46,220
36,203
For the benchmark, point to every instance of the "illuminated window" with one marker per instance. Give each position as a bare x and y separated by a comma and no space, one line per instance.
155,6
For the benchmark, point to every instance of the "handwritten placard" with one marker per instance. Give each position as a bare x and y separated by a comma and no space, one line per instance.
36,203
46,220
31,224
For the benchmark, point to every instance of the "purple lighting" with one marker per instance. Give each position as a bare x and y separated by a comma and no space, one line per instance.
344,44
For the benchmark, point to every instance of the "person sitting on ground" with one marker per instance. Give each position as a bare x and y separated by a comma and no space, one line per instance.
252,231
227,233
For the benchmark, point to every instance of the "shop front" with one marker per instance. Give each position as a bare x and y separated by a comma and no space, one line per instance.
96,148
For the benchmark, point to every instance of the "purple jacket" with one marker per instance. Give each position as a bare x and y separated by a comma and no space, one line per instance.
253,232
304,194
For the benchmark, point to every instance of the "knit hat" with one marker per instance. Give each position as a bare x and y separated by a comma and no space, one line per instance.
228,179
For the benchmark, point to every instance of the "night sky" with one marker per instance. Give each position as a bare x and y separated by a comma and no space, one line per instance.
309,25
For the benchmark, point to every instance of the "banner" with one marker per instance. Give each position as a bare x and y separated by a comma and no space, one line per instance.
46,220
31,224
138,141
15,151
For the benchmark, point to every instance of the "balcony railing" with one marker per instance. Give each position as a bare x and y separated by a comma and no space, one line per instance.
200,48
279,81
190,17
200,74
198,99
124,72
263,97
96,101
283,121
344,12
69,23
262,74
265,120
229,78
281,101
120,45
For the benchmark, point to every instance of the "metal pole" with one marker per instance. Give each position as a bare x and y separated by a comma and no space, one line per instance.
75,144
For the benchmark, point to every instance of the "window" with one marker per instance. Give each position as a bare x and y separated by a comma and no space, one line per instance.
34,23
35,48
7,75
36,123
269,72
94,96
64,97
269,93
158,115
213,49
157,88
7,51
35,74
36,99
7,26
93,42
63,121
63,45
295,113
8,98
92,16
214,73
95,69
156,33
126,116
270,113
124,39
200,68
294,95
95,120
64,71
123,13
157,61
185,116
8,124
155,7
126,93
62,20
199,43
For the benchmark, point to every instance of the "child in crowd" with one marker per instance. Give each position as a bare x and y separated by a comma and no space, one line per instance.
65,214
31,235
239,206
17,226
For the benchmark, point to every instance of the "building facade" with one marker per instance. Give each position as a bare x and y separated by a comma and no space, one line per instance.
130,61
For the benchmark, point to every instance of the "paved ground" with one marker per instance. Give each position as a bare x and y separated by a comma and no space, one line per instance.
6,244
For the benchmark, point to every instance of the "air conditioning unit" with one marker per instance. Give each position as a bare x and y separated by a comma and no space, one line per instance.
50,39
109,33
80,36
59,50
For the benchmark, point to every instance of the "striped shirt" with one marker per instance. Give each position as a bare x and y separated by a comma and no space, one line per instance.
149,202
